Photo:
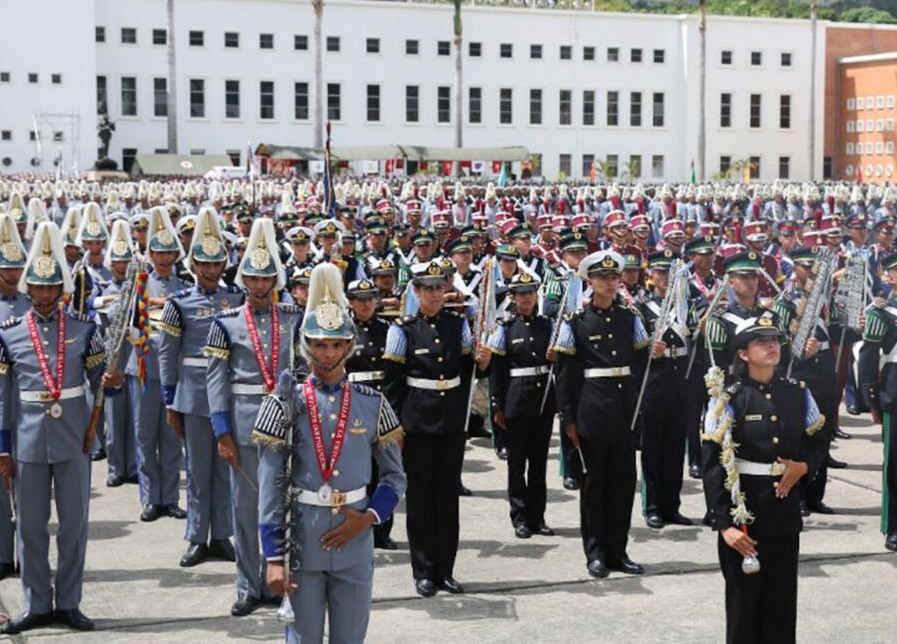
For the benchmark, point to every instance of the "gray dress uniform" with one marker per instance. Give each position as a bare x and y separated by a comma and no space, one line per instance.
48,452
235,389
182,364
337,582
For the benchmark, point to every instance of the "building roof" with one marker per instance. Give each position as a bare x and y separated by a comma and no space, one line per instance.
869,58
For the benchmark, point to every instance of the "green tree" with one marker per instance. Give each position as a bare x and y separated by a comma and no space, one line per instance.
867,14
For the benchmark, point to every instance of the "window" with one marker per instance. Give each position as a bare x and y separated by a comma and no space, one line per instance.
196,38
475,105
506,50
231,99
443,48
300,42
565,164
587,161
889,125
475,49
6,135
333,101
880,102
535,107
848,149
851,126
635,55
851,104
660,55
234,157
588,53
755,110
32,78
199,151
4,77
505,106
634,166
32,136
879,147
613,109
56,79
372,45
784,167
373,103
860,124
300,101
411,47
128,36
889,147
566,107
890,101
128,96
786,59
58,136
535,52
160,37
266,100
725,57
657,116
127,158
870,103
197,98
879,125
566,52
588,107
102,96
869,147
657,166
443,104
725,162
785,111
613,166
869,125
232,40
635,109
160,97
756,58
99,34
412,103
266,41
333,43
861,103
755,167
613,54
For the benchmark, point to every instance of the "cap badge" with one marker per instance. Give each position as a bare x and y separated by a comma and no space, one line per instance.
165,238
12,251
44,266
210,246
120,247
260,259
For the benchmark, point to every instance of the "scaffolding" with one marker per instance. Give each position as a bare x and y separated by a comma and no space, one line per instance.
57,142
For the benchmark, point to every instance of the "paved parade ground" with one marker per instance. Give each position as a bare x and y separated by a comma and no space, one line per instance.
534,590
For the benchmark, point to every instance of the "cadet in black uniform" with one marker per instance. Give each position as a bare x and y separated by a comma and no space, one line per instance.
774,424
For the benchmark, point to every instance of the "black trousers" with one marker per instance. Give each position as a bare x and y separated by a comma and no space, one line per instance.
605,499
433,467
697,402
762,607
663,450
528,440
819,374
382,531
889,475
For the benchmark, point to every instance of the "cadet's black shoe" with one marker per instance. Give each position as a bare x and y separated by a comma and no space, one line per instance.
464,491
451,585
570,483
243,607
132,479
74,619
852,410
677,518
694,471
834,463
273,600
172,510
114,480
99,455
386,543
820,508
804,509
654,521
151,512
543,530
839,433
597,569
425,587
891,542
7,569
222,549
627,565
502,453
195,555
708,519
522,532
25,622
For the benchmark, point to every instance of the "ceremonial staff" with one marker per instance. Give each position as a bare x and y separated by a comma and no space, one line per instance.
485,325
700,327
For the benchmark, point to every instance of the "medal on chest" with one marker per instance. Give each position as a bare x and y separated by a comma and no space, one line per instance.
54,387
268,375
327,465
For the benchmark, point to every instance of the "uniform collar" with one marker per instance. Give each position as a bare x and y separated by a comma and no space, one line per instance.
327,389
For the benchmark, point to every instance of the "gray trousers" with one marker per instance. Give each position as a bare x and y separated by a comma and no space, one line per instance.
345,595
158,446
7,533
208,485
121,453
70,481
245,499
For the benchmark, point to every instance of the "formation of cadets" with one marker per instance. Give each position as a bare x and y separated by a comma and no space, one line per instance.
474,311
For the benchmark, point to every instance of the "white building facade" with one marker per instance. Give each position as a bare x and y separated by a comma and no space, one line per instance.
571,86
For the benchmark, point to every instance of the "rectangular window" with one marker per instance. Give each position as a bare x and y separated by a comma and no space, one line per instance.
725,57
102,96
300,42
848,149
231,99
128,96
634,166
860,124
197,98
127,158
196,38
588,107
535,107
505,106
412,103
32,78
889,147
234,156
506,50
635,55
613,166
128,36
660,55
566,52
412,47
4,77
266,100
613,54
869,148
784,167
565,114
535,52
786,59
635,109
334,111
58,136
160,37
587,161
232,40
99,34
372,45
851,104
300,101
889,125
444,104
443,48
657,166
755,110
851,126
565,164
373,104
266,41
333,44
861,103
879,147
613,109
475,105
56,79
475,49
879,125
658,109
785,111
6,135
755,167
588,53
160,97
725,162
756,58
890,102
870,125
880,102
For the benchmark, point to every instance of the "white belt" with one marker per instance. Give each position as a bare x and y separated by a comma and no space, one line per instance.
196,362
891,357
44,396
611,372
823,346
435,385
675,352
367,376
247,390
335,500
530,371
752,468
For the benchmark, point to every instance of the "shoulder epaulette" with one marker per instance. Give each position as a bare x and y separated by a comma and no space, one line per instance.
10,323
229,313
452,313
232,288
578,313
734,388
365,389
795,382
180,294
80,317
408,319
506,321
290,308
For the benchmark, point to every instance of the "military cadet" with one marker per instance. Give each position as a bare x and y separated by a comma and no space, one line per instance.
45,358
523,402
424,248
158,446
300,239
596,350
247,347
383,274
773,424
92,236
298,283
185,327
631,290
81,299
428,364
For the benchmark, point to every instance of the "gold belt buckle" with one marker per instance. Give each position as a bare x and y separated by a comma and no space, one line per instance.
777,469
45,396
337,499
441,385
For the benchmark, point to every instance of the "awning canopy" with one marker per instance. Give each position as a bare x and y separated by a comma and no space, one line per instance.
380,152
184,165
430,153
289,152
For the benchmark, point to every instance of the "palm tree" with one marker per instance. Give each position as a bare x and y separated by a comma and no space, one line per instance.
814,10
318,6
172,82
634,168
702,78
459,90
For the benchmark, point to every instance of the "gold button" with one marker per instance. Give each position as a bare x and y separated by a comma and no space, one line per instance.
441,393
610,336
439,359
331,398
332,416
336,472
768,396
613,353
47,412
607,319
773,418
775,440
619,385
436,341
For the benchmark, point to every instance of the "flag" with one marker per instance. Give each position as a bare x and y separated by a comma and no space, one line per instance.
593,172
37,140
447,168
409,304
249,160
503,175
141,342
488,310
390,166
692,176
859,173
329,204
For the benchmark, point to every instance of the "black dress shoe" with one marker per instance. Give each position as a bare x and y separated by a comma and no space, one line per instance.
804,509
891,542
820,508
133,480
839,433
151,512
853,410
74,619
708,519
114,480
451,585
243,607
99,455
7,569
522,532
677,518
425,587
694,471
195,555
222,549
570,483
272,600
463,490
25,622
627,565
386,543
543,530
834,463
654,521
597,569
502,453
173,510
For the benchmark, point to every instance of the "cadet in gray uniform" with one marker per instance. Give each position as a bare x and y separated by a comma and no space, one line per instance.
185,328
318,438
247,348
45,358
